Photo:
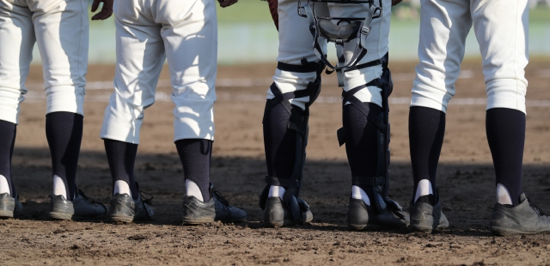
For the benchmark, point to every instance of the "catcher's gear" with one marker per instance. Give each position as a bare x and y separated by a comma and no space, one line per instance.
344,31
298,122
378,184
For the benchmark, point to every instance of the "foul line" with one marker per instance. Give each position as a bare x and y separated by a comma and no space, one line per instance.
35,92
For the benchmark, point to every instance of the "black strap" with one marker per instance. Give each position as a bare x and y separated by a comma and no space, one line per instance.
304,68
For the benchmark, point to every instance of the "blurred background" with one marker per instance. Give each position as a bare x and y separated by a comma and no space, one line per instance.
247,34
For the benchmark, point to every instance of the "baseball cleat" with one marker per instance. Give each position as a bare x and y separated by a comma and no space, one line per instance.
9,206
364,217
125,209
81,207
523,219
426,217
216,209
278,214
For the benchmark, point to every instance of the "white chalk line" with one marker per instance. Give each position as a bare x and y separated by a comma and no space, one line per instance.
35,92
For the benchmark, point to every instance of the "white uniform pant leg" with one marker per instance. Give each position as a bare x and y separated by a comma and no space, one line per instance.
191,43
377,46
17,40
140,57
444,26
62,28
502,37
295,44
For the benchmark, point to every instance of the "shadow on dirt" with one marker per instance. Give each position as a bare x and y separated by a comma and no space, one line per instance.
467,190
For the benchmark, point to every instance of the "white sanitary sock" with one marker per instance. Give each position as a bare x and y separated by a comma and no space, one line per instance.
121,187
424,188
59,186
359,193
4,186
192,189
503,195
276,191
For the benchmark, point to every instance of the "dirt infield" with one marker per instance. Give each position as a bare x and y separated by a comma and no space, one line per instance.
466,183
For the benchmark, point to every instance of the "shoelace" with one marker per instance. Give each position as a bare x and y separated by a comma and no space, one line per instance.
536,208
149,199
220,198
81,193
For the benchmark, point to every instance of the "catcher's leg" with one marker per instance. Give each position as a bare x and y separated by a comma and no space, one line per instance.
285,136
366,134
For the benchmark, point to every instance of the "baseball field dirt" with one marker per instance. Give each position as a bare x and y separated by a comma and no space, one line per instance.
465,179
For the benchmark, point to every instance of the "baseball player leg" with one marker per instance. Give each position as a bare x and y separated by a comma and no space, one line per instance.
17,35
140,57
193,94
195,156
64,64
295,87
193,87
506,86
365,127
426,132
7,131
64,135
9,203
444,26
506,136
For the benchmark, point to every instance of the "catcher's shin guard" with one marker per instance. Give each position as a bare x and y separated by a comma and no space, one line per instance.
379,183
297,123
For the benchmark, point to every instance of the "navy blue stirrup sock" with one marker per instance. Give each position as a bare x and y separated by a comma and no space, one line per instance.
195,156
361,140
279,141
8,131
506,136
426,132
122,158
64,134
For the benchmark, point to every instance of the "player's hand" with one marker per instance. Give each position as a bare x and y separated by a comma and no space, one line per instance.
395,2
106,9
226,3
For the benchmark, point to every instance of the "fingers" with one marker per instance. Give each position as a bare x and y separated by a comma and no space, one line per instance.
106,9
395,2
95,5
226,3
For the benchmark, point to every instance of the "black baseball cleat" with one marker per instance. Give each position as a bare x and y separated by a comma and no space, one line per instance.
277,213
9,206
523,219
216,209
286,211
364,217
81,207
125,209
426,217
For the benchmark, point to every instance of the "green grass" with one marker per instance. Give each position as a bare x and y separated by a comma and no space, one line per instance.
245,11
540,15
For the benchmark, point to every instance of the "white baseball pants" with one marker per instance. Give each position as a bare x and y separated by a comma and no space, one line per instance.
60,29
501,29
296,43
147,33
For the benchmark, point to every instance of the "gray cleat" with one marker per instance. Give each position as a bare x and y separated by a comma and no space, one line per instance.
216,209
426,217
523,219
81,207
125,209
9,206
363,217
277,213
